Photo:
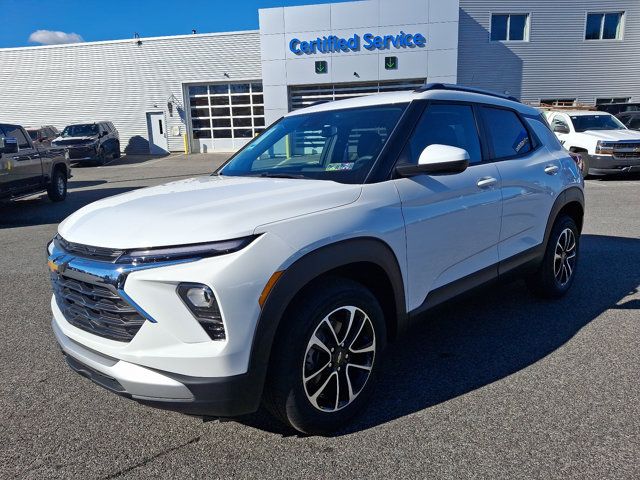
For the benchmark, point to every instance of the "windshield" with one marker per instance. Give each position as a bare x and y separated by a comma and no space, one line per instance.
338,145
582,123
86,130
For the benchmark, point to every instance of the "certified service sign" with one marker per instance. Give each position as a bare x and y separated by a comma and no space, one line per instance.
334,44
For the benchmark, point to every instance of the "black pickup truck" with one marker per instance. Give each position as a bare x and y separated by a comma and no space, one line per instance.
27,169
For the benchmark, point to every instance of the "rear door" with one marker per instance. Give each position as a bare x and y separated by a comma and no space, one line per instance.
531,178
24,167
452,221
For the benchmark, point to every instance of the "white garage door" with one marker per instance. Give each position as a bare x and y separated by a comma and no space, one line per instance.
305,95
225,116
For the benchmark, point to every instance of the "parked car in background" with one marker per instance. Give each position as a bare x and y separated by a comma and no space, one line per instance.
44,135
27,168
282,276
616,108
631,120
603,142
90,142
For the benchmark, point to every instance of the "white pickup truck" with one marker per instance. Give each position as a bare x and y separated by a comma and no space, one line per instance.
605,144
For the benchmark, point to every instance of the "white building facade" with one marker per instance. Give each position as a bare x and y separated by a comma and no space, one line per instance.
214,92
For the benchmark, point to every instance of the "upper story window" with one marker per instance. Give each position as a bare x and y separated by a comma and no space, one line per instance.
558,102
510,27
604,26
607,101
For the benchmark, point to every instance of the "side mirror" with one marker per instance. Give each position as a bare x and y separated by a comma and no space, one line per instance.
8,145
437,159
559,128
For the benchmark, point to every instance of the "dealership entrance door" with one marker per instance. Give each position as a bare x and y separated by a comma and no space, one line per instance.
157,131
301,96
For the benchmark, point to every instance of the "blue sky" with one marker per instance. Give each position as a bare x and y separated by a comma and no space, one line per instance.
115,19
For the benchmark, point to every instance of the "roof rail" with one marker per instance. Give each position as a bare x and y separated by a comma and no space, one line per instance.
459,88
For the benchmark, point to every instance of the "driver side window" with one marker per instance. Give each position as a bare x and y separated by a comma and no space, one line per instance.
446,124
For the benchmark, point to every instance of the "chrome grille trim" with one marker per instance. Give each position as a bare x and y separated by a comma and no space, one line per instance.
88,251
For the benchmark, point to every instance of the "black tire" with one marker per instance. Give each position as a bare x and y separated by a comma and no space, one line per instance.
585,165
584,155
101,158
549,281
285,391
116,152
57,189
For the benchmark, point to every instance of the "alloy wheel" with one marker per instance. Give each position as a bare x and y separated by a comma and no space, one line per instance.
60,185
339,359
564,259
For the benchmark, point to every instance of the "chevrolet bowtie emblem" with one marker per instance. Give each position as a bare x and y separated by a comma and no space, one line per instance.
56,267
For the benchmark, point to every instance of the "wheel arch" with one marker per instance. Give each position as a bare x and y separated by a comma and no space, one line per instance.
59,166
368,260
570,202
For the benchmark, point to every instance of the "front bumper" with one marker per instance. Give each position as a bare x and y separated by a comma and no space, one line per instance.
606,164
216,396
171,362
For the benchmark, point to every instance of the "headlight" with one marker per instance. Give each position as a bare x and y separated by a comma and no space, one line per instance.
197,250
604,148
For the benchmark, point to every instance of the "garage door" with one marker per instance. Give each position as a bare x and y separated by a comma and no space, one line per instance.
305,95
225,116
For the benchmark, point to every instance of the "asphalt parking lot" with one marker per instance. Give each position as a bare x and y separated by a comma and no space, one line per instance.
497,385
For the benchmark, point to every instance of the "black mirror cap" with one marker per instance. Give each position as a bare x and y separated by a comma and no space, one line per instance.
441,168
10,145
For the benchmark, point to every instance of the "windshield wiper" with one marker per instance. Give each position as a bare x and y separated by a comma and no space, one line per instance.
279,175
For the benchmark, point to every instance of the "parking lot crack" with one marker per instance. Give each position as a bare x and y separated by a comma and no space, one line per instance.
147,460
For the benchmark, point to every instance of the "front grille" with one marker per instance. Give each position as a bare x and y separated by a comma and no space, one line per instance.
632,145
625,155
87,251
96,309
81,152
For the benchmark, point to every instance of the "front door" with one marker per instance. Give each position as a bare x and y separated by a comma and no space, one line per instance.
452,221
157,133
23,169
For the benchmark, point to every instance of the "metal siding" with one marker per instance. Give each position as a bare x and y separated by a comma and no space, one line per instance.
120,81
556,62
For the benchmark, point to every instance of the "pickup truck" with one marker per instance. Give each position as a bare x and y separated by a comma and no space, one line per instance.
604,143
26,169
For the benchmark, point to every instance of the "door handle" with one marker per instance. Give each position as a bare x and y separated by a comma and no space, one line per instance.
486,182
35,155
551,169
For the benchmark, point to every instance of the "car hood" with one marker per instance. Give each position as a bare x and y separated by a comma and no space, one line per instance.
613,135
72,140
200,210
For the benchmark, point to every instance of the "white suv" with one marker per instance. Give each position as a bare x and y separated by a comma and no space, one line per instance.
281,277
603,142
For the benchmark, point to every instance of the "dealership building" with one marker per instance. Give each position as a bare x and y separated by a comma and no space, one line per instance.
213,92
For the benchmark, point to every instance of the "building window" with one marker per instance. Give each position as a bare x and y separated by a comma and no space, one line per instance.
510,27
604,26
558,102
606,101
227,110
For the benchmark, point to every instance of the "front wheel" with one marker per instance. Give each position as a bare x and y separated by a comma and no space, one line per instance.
558,268
116,152
57,190
101,158
326,357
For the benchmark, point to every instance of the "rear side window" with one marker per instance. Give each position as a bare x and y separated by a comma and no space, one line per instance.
508,137
442,124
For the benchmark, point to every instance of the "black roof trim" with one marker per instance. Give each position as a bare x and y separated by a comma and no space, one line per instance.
459,88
